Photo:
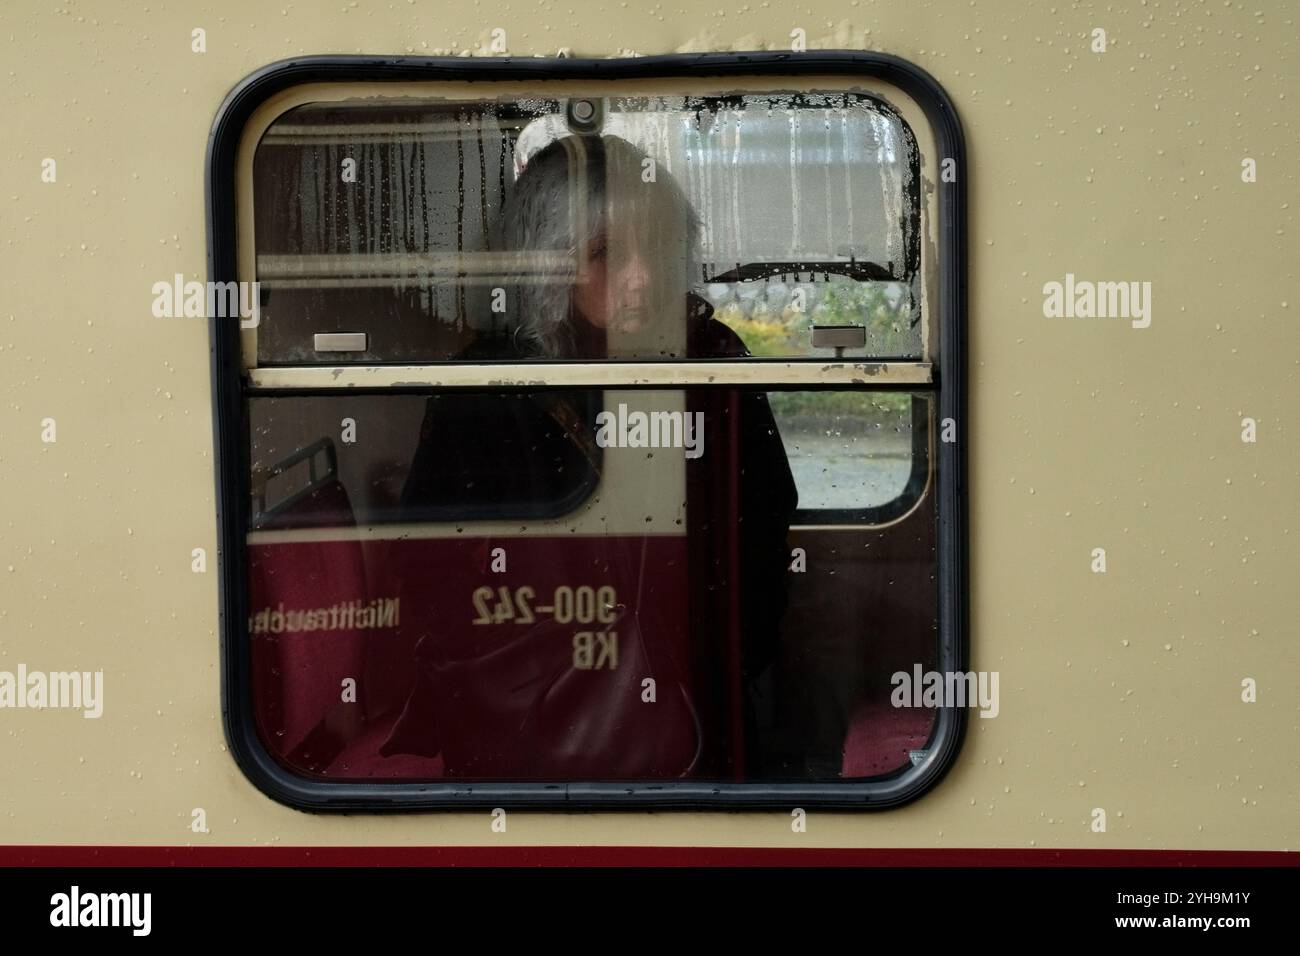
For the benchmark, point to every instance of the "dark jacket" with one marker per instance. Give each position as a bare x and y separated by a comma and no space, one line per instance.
532,454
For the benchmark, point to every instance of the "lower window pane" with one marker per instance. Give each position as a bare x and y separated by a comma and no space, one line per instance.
587,585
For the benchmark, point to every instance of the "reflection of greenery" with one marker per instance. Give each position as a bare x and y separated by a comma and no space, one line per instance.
773,326
889,408
763,339
883,307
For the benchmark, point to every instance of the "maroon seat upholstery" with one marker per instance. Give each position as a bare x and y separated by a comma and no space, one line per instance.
880,736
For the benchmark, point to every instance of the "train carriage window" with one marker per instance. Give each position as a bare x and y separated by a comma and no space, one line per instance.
587,450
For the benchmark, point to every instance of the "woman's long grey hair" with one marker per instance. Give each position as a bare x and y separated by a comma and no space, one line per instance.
571,191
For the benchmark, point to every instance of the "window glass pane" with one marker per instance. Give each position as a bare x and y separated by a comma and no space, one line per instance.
412,457
636,598
850,451
587,228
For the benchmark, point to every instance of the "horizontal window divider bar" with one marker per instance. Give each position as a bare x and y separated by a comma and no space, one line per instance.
505,266
407,281
302,134
596,374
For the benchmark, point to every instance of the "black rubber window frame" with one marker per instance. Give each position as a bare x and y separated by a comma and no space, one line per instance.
948,311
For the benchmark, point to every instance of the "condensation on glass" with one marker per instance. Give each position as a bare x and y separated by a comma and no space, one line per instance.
422,226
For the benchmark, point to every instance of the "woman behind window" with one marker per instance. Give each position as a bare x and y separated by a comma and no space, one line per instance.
607,249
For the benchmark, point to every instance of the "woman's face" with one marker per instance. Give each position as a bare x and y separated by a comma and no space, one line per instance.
614,289
631,271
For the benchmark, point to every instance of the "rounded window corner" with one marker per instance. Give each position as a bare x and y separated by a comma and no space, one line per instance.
937,479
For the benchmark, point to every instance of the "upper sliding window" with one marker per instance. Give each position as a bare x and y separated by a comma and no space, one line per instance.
587,227
490,534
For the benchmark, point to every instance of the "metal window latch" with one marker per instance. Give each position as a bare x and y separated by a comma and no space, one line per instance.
341,341
839,337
